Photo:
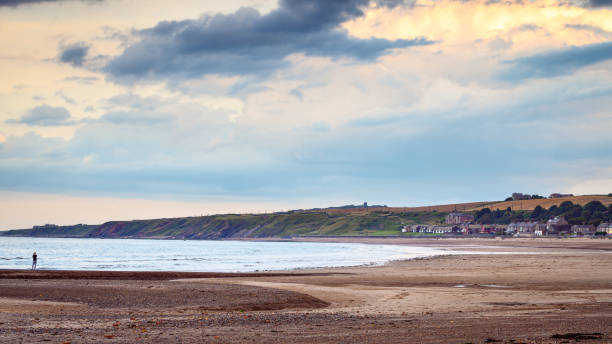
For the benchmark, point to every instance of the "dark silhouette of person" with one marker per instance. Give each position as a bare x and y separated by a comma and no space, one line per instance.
34,258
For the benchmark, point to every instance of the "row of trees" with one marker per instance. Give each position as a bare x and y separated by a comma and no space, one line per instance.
517,196
593,213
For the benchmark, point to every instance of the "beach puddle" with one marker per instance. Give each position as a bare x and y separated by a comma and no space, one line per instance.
495,286
481,285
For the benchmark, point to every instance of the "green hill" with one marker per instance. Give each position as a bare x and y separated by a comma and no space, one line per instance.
245,226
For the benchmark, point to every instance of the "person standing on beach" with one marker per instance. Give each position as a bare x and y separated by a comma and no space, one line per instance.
34,258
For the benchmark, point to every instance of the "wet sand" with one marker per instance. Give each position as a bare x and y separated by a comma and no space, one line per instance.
537,291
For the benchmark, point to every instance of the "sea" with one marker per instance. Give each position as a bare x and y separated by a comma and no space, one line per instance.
196,255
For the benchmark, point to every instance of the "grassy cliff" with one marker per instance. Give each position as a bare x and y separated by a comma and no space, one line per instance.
246,226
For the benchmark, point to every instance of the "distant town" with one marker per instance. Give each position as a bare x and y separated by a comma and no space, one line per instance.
567,219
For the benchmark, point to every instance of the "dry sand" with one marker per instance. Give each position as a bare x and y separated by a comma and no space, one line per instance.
537,291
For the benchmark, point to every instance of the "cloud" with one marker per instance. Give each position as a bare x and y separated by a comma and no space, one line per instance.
593,4
500,44
195,156
249,43
556,62
600,3
82,79
136,118
139,115
15,3
74,54
596,30
45,116
528,27
65,97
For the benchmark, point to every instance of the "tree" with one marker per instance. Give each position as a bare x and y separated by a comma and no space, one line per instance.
486,218
595,222
576,221
566,206
594,206
553,211
537,212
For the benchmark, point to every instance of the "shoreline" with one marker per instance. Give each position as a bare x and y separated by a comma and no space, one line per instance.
443,247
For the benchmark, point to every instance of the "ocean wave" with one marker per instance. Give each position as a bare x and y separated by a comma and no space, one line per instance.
211,256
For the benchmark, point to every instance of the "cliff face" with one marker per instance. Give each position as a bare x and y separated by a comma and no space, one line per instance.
243,226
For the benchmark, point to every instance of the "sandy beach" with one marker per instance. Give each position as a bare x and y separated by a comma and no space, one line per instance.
515,291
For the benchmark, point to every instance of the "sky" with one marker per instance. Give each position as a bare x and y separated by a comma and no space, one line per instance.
127,109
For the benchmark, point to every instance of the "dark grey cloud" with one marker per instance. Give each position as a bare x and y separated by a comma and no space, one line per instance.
600,3
596,30
74,54
15,3
592,4
556,62
247,42
46,116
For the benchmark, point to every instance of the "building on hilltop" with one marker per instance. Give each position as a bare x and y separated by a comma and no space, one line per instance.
559,195
517,196
458,218
47,226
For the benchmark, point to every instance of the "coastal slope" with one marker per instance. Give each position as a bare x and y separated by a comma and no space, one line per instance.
243,226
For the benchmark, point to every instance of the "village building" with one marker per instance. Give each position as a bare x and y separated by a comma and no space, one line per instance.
522,227
558,225
475,229
432,229
530,228
414,228
455,218
584,229
605,227
445,230
469,229
493,229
